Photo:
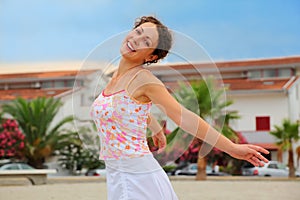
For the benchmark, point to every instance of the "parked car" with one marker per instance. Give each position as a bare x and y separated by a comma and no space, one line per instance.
16,166
96,172
192,168
211,172
272,168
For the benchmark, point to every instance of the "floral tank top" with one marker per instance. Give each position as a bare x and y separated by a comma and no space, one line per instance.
122,124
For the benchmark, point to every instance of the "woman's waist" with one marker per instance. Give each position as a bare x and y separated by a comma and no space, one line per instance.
141,164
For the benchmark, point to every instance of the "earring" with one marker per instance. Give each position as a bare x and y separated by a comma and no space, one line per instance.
149,59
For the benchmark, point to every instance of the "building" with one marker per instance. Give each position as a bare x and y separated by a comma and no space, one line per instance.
264,91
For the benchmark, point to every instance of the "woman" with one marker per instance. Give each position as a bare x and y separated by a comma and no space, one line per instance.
121,113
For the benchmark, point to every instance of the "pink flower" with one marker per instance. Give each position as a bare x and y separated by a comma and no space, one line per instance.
9,153
21,146
4,141
2,152
11,139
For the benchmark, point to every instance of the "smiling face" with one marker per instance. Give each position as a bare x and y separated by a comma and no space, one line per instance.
140,43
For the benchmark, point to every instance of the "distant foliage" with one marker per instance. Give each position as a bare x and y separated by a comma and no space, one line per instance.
76,157
35,119
286,134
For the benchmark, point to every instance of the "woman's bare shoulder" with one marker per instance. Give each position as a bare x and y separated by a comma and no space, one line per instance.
147,77
144,80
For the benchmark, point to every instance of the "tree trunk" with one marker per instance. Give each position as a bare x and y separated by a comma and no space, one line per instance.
201,173
36,163
298,155
291,161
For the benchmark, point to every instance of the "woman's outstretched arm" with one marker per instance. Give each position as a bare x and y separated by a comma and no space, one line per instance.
195,125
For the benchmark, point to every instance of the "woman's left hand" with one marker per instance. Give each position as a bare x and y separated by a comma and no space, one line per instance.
250,153
160,141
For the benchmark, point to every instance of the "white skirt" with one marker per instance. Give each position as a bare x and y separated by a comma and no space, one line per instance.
148,184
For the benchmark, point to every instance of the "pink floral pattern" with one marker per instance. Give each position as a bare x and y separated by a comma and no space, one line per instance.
122,125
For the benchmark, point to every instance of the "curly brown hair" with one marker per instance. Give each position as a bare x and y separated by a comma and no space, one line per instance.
164,38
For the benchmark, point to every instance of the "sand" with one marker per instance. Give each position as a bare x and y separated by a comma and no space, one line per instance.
186,190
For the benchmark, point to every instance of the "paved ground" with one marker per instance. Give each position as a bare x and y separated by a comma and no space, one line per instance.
213,189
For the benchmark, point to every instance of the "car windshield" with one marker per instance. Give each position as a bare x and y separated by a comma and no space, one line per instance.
194,167
15,166
208,168
10,167
281,166
24,166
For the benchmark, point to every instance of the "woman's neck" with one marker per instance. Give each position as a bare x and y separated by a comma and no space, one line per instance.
124,66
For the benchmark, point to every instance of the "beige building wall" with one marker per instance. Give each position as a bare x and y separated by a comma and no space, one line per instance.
249,106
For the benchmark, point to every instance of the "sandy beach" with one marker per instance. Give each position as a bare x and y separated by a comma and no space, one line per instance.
185,189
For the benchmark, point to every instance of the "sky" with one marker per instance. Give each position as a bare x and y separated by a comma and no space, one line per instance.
58,30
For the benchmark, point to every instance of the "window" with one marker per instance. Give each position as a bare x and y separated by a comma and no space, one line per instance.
281,166
269,73
70,83
59,84
19,85
194,167
47,84
284,73
263,123
11,167
25,166
273,166
254,74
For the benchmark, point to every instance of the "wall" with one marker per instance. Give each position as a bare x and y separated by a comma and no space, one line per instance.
251,105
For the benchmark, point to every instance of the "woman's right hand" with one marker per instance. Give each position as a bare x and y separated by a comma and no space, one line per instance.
160,141
250,153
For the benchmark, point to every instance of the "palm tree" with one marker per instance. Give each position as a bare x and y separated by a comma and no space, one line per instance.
286,135
42,138
298,155
209,105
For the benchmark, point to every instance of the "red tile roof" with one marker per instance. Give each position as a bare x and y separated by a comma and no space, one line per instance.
260,62
227,64
7,95
267,84
30,93
46,74
248,84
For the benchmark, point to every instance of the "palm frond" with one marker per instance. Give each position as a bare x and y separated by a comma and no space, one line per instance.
61,123
286,133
